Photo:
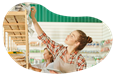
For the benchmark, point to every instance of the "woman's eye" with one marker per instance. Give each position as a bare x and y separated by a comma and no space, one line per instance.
71,35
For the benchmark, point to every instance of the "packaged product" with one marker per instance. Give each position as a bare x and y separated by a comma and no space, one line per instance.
34,43
38,51
94,44
34,50
97,44
32,60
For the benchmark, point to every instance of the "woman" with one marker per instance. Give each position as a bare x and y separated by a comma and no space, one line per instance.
67,59
42,67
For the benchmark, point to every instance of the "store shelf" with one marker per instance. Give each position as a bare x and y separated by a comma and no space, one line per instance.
35,53
15,24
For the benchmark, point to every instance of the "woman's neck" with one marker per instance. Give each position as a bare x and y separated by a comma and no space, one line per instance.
70,49
47,62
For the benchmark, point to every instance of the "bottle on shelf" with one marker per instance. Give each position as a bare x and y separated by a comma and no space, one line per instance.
97,60
38,61
30,60
43,60
97,44
93,44
35,61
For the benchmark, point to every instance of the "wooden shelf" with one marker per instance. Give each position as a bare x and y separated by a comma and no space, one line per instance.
15,13
14,30
15,24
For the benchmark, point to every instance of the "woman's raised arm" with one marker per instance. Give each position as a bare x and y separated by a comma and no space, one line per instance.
52,46
36,25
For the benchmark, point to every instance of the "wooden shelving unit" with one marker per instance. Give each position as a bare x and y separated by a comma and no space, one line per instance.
15,24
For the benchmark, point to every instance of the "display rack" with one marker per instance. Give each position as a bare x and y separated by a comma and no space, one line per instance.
15,24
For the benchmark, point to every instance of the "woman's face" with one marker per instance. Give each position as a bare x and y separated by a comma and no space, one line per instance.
46,54
72,38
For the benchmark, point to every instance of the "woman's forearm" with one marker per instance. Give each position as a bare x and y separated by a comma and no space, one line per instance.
32,68
36,69
37,26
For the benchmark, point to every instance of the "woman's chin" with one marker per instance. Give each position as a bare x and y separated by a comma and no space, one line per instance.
65,42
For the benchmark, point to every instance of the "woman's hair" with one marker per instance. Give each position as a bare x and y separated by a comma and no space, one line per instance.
83,39
51,59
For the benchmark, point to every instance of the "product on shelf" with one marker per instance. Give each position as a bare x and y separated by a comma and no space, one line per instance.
32,60
89,51
43,60
105,49
38,51
106,42
102,42
38,61
97,44
89,44
35,43
42,51
32,51
102,49
93,44
35,61
97,61
35,51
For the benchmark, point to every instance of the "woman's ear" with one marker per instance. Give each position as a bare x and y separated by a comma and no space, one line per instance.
77,44
50,55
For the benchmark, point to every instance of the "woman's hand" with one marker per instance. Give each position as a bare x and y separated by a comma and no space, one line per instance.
51,71
33,11
38,70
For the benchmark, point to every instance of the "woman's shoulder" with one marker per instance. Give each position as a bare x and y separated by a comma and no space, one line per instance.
42,64
80,56
50,65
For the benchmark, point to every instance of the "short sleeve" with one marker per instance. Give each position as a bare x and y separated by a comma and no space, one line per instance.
52,46
81,63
